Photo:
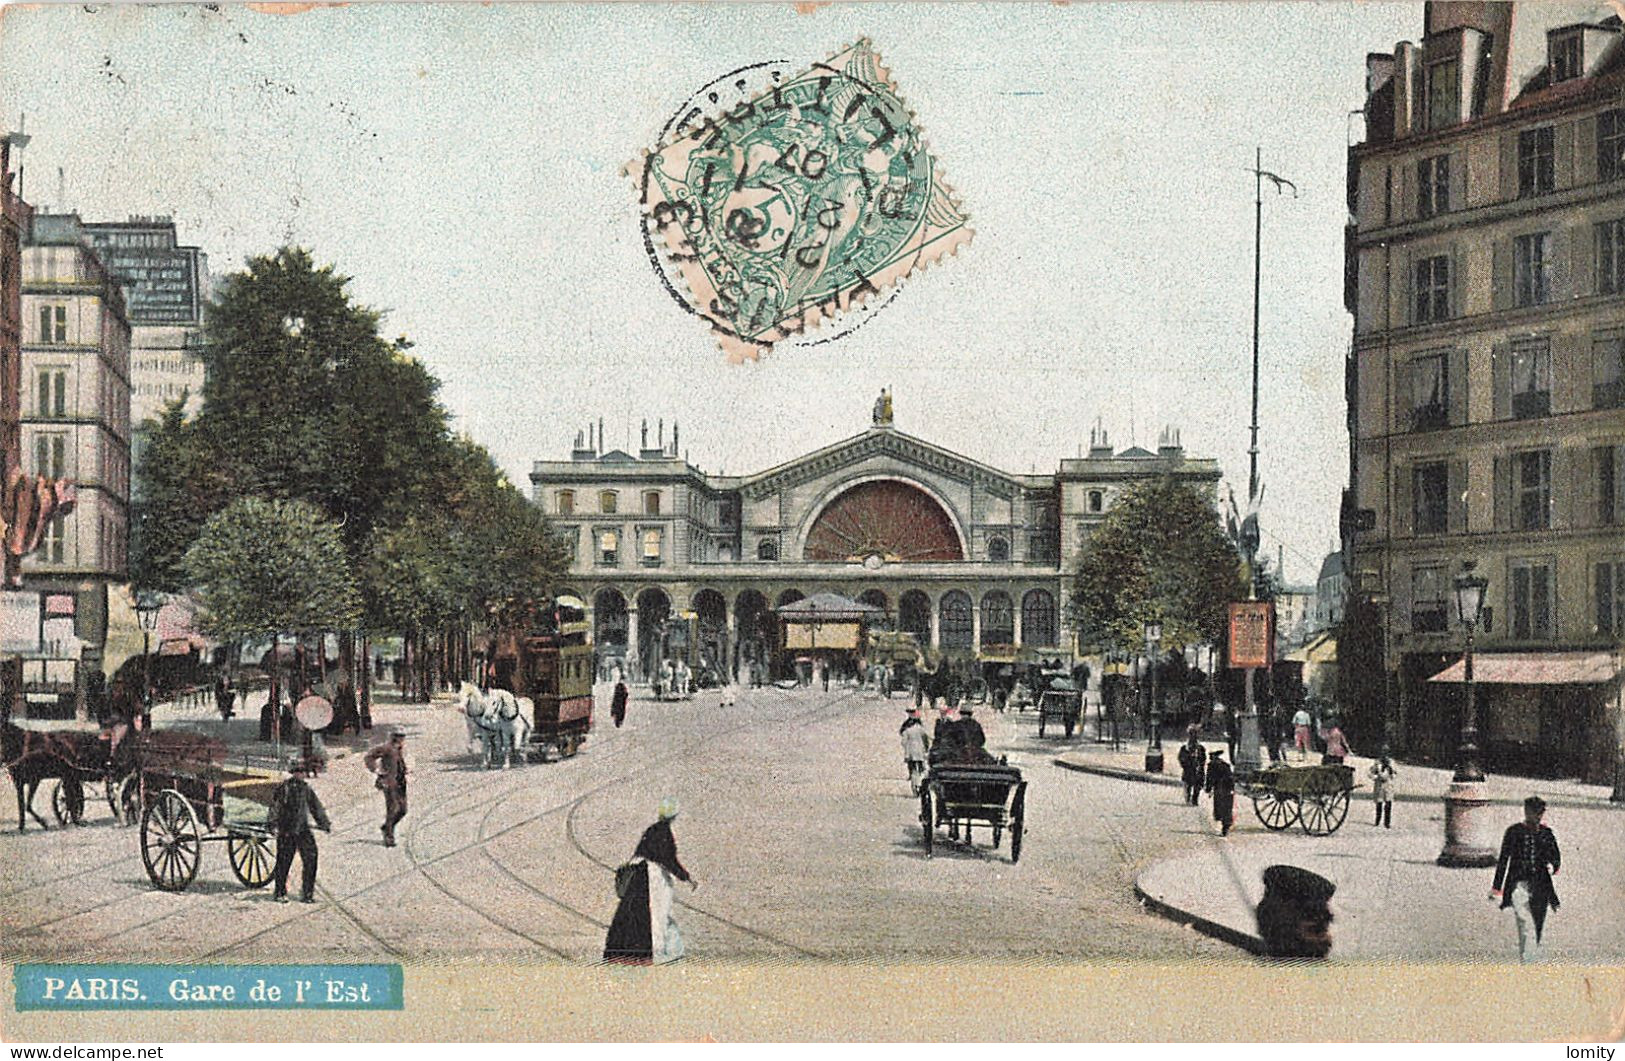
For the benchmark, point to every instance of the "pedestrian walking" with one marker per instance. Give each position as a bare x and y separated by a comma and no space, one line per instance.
643,931
1382,790
293,805
1221,782
1193,766
388,764
1337,745
1295,916
224,695
1300,732
617,703
1523,876
823,673
916,748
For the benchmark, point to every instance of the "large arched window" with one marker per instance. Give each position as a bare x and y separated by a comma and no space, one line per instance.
1038,618
914,615
883,521
954,623
609,548
998,619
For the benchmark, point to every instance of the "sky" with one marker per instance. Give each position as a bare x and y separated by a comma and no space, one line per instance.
462,163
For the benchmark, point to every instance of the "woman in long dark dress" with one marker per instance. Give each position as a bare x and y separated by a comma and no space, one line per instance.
643,931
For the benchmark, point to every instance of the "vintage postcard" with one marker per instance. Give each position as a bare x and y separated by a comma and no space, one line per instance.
767,521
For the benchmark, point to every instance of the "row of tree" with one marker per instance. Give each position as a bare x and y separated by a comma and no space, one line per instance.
320,488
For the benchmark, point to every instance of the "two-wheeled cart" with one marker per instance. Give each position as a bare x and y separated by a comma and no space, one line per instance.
961,796
190,797
1316,797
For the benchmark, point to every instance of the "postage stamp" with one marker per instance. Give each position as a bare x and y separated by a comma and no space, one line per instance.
815,195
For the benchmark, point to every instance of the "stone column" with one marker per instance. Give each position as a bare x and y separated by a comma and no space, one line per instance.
631,640
1015,614
936,625
975,624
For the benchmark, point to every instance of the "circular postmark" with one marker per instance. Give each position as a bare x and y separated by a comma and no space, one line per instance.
783,199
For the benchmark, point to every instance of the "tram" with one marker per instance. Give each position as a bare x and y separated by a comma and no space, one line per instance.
550,661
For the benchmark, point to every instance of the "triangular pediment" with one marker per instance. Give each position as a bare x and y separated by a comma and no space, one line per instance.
905,449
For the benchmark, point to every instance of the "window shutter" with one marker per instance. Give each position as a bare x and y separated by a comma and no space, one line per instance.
1585,151
1457,369
1402,602
1501,381
1619,484
1582,255
1560,499
1405,502
1410,201
1501,275
1587,476
1509,167
1458,180
1563,155
1458,497
1561,274
1458,280
1403,403
1503,492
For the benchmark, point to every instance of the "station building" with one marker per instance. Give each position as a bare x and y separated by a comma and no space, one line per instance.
961,554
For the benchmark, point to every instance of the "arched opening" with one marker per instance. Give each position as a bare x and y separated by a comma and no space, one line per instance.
998,549
998,619
1038,618
789,596
877,599
914,616
884,521
954,623
754,627
654,609
609,624
711,616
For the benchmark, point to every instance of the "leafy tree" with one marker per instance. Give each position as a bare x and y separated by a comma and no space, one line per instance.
181,484
265,566
1160,554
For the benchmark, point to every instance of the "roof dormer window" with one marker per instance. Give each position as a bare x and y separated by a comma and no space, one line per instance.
1443,94
1563,55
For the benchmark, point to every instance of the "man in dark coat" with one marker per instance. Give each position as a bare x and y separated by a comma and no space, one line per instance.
643,930
1523,875
1295,916
617,704
1222,783
388,763
293,805
1193,767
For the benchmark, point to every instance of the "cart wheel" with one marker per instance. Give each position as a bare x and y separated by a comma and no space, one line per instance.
1275,810
1018,821
1324,812
59,801
926,824
998,834
251,859
128,808
171,841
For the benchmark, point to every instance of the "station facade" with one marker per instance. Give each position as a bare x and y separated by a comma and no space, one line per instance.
959,553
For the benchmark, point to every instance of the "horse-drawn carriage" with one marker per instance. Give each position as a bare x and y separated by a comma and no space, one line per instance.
961,794
74,757
1316,797
547,667
1060,704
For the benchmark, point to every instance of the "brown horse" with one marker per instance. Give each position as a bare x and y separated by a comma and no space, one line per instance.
31,757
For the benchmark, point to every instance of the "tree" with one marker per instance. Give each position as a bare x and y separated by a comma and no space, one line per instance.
265,567
1160,554
181,485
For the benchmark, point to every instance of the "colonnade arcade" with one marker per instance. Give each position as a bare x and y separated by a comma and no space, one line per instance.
642,624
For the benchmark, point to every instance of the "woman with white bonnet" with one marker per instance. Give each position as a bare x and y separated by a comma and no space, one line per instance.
643,931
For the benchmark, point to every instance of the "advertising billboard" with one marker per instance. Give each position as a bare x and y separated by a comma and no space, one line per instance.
161,279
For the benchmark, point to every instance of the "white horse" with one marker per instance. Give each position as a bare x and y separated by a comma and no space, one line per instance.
475,707
508,722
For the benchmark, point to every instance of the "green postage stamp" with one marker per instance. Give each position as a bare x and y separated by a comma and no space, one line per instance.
812,196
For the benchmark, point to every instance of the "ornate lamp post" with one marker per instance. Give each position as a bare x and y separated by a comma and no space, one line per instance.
1153,745
1466,798
147,605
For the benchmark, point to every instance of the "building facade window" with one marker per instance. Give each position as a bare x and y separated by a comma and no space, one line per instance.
1532,490
1531,269
1531,379
1431,497
651,547
1429,607
1443,94
767,549
1433,289
1608,593
564,503
651,502
1611,257
51,456
998,619
608,501
53,324
1564,57
1433,186
1532,600
998,550
1608,372
954,621
53,392
609,549
1536,172
1038,618
1608,479
1430,392
1611,145
1097,500
53,545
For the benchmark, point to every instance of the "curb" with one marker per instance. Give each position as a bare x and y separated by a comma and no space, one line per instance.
1120,773
1221,932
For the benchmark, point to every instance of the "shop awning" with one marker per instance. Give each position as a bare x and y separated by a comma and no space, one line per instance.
1535,668
827,608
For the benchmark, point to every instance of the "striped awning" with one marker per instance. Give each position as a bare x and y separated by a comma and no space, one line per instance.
1535,668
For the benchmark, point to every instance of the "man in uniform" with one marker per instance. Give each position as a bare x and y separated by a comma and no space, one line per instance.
1193,765
293,805
388,763
1523,875
1221,781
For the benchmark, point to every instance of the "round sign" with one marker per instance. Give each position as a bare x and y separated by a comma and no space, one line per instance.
313,712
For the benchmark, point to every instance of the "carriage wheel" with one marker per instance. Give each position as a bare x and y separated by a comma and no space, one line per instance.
171,841
926,824
1275,810
59,802
251,859
1018,821
998,833
1323,812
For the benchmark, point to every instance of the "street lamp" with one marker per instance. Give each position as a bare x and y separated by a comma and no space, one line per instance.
147,605
1466,798
1153,747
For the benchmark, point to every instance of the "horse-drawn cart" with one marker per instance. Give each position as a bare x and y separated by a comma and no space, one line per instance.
959,795
1060,704
191,797
1315,797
